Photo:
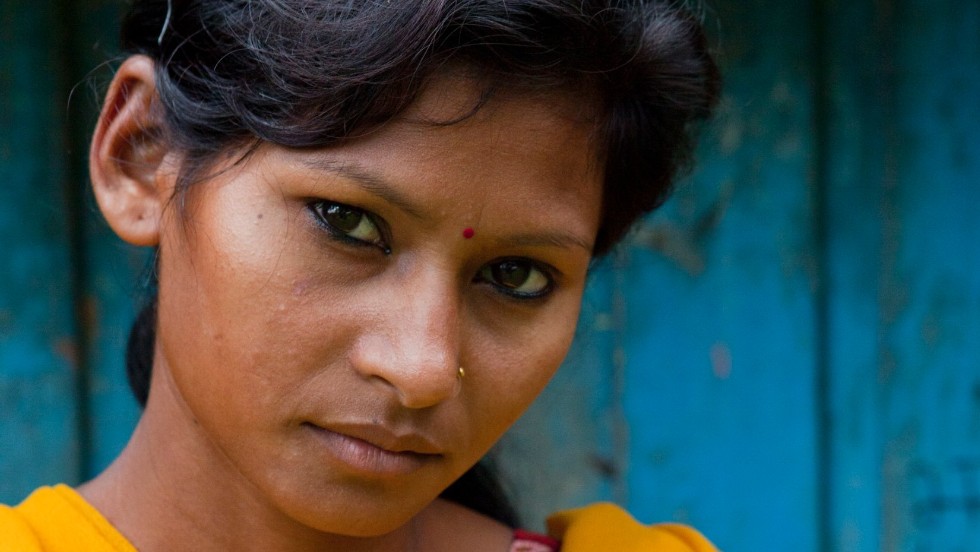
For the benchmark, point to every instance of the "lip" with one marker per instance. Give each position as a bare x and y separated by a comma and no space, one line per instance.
373,450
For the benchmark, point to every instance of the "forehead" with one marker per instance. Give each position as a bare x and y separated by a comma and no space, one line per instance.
513,158
536,144
458,93
468,116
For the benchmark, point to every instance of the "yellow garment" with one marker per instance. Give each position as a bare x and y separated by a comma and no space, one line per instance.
605,527
58,519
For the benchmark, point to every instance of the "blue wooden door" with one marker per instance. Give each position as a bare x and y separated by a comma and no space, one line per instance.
787,356
67,286
700,352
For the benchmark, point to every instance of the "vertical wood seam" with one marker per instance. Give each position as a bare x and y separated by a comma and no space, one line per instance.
620,426
886,90
822,380
75,168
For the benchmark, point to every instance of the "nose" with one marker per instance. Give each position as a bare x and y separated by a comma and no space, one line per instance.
412,346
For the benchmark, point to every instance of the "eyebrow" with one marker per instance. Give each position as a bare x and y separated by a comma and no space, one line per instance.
378,186
547,239
367,180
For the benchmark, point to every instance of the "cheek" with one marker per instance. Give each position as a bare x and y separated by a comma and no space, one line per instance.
227,313
516,368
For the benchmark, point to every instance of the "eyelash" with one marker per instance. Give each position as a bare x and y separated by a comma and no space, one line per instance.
318,209
544,270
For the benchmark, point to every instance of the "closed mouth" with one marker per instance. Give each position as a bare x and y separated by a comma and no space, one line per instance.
373,450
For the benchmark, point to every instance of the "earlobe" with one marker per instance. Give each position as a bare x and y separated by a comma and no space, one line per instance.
127,155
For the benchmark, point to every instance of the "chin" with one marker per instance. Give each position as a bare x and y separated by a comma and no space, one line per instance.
356,514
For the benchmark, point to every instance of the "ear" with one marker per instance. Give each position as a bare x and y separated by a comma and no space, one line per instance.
126,160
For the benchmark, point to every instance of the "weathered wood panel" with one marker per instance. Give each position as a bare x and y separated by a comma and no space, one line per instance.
721,332
904,290
931,343
38,345
856,108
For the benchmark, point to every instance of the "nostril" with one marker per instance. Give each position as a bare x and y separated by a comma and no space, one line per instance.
427,388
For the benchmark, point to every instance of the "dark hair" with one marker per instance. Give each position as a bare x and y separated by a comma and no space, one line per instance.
308,74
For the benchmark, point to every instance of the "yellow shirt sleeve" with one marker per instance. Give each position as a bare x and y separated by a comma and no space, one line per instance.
16,534
605,527
58,519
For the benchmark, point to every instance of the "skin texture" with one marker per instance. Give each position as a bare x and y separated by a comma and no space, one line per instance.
306,386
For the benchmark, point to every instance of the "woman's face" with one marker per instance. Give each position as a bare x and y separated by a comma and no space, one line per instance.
316,306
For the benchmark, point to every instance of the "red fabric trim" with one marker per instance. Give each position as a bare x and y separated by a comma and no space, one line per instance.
520,535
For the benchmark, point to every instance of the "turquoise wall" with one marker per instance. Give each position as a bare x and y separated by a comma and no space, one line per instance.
787,356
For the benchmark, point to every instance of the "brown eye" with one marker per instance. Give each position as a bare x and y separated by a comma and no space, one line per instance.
348,222
342,217
519,278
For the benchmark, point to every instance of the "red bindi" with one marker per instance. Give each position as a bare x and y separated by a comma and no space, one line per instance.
468,233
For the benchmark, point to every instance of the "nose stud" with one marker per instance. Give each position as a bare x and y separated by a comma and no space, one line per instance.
460,374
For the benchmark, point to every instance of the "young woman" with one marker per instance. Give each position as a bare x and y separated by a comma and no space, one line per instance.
373,221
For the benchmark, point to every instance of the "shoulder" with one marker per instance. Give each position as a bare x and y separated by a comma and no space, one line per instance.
607,527
57,519
16,533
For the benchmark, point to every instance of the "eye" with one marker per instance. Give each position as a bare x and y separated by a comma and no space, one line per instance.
348,223
520,278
